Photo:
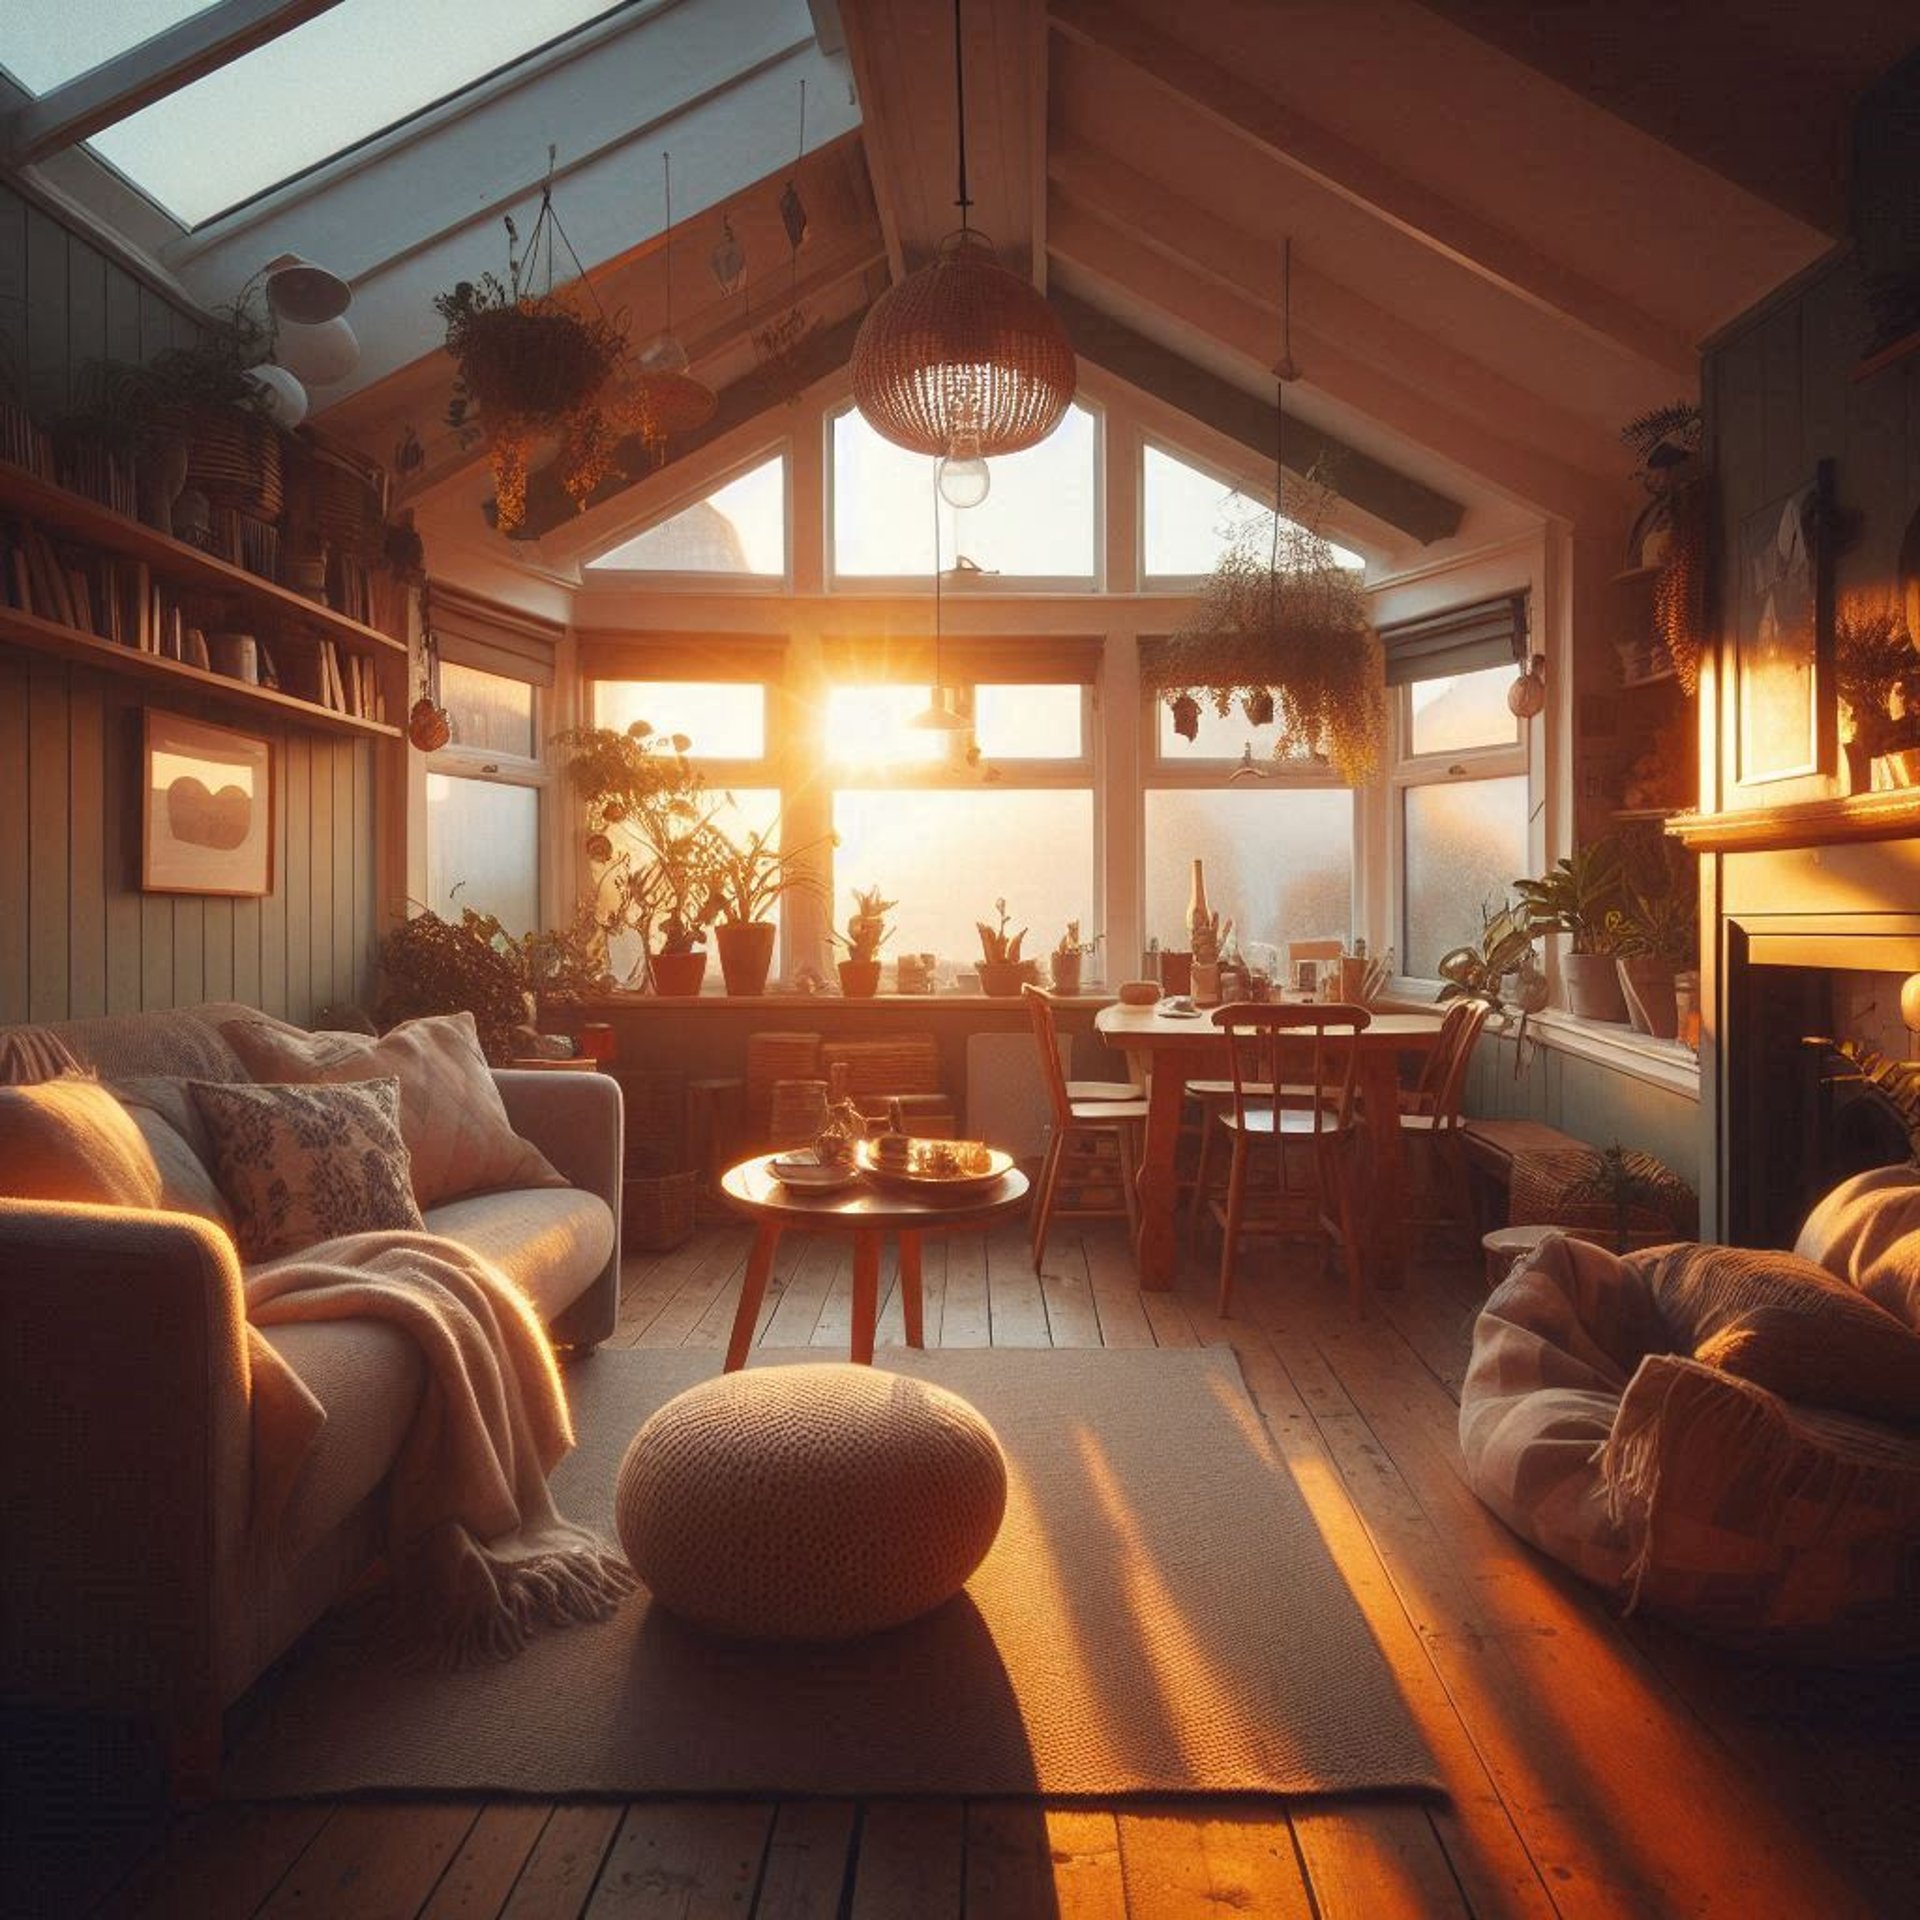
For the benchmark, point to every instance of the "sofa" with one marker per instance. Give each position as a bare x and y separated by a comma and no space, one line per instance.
1726,1437
134,1583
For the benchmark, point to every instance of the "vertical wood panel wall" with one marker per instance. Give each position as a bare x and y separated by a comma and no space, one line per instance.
77,936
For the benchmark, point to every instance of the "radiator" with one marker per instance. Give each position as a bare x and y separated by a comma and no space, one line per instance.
1006,1095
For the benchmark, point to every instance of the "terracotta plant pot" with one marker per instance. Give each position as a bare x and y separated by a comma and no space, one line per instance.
1592,981
1066,972
746,955
678,973
1003,979
1647,982
859,979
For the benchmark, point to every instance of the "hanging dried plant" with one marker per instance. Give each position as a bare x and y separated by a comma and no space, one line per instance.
1873,653
1282,622
1680,588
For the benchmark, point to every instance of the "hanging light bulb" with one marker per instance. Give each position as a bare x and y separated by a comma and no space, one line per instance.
937,716
963,477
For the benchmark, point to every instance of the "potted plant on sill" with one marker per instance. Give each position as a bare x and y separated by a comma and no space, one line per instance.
1576,897
1065,960
1656,933
748,877
867,932
1002,972
651,843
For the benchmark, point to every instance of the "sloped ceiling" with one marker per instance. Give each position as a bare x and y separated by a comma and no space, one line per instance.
1511,226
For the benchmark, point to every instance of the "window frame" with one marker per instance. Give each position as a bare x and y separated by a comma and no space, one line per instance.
684,580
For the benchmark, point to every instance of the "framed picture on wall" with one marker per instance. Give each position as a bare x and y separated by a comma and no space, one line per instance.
1784,637
207,804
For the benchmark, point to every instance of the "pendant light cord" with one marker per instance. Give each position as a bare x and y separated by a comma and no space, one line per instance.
960,116
1284,372
938,684
666,172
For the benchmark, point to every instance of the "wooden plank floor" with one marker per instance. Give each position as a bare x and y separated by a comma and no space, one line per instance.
1594,1767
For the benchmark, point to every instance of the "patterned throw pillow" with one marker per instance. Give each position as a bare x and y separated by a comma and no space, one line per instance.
70,1139
301,1164
451,1113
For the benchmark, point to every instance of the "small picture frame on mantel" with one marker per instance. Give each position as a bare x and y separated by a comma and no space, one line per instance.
1783,603
207,808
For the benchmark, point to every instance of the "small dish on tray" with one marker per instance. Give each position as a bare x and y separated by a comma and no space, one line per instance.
805,1172
934,1169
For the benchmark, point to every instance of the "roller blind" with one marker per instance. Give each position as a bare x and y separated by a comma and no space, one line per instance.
1486,633
682,656
477,633
964,659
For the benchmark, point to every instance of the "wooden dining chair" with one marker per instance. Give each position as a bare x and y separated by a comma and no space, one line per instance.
1431,1135
1314,1141
1081,1134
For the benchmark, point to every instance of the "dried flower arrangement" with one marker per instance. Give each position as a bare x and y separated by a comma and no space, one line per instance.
1873,655
1283,628
1671,530
533,364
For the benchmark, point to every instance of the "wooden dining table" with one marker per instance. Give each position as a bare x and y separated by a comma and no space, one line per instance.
1175,1049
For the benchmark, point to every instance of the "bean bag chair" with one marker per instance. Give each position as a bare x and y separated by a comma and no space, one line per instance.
1727,1438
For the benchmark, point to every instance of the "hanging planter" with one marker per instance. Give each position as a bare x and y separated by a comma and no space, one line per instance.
1283,628
538,364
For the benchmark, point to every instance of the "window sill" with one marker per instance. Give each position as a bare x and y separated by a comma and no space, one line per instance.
1661,1063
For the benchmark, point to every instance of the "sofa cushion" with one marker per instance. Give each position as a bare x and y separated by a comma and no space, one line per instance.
369,1376
70,1139
1845,1361
451,1114
184,1041
164,1111
303,1164
551,1241
1701,1290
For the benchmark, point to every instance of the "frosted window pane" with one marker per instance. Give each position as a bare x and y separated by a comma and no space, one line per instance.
725,720
333,81
483,850
1463,710
1219,738
1188,516
44,46
1028,723
1465,845
867,728
490,712
1036,521
739,528
946,857
1279,862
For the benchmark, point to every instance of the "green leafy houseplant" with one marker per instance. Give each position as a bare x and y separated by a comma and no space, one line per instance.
1896,1083
1577,895
1506,938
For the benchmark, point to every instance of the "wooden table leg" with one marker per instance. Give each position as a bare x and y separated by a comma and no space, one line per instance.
1157,1252
1378,1080
910,1295
866,1293
753,1290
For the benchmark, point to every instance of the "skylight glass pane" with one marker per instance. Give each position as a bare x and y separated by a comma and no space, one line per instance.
335,80
1037,521
45,46
1188,517
740,528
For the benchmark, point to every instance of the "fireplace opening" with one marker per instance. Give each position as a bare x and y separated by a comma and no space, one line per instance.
1800,1119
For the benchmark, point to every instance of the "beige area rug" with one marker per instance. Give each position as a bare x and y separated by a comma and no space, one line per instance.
1158,1616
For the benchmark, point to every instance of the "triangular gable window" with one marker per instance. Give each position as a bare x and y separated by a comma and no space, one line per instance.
738,529
1188,517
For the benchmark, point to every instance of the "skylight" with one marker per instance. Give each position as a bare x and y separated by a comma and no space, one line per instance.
332,82
739,528
1188,517
45,46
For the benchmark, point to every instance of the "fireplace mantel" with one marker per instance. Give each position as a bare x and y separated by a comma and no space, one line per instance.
1888,815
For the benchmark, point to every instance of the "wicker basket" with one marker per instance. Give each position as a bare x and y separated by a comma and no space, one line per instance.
656,1119
796,1113
233,457
657,1209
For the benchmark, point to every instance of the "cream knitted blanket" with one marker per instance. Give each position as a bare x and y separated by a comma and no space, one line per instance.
478,1553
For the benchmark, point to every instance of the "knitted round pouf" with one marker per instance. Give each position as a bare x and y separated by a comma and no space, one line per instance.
810,1502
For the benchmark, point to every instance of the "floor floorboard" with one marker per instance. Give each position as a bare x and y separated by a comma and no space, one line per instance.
1594,1767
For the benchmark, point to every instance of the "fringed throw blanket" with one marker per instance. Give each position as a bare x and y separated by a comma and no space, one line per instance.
479,1555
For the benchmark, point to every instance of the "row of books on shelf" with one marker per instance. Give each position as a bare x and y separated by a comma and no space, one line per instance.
118,600
22,444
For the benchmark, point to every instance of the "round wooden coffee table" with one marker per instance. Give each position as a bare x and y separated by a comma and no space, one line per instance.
868,1212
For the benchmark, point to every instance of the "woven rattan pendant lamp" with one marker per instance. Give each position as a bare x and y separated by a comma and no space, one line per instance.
963,359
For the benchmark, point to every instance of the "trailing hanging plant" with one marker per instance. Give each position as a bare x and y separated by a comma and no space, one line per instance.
1673,524
1283,627
531,364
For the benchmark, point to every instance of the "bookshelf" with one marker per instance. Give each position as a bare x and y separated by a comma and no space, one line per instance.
299,631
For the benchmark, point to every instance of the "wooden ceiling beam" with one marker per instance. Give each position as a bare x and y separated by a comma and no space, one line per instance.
158,66
1495,254
1247,266
1134,272
1417,510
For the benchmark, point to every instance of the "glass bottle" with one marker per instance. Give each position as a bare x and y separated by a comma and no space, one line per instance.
844,1125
